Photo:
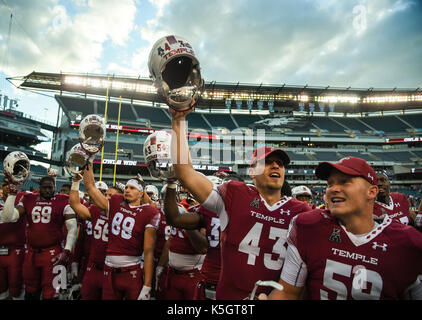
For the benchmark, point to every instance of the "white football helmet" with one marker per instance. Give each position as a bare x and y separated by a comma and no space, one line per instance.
215,180
301,191
101,185
17,167
92,132
77,159
52,172
175,71
154,190
157,155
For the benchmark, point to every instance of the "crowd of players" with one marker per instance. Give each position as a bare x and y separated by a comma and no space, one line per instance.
212,237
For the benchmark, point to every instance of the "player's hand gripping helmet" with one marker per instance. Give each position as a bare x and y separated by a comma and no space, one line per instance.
153,190
175,71
157,155
77,159
92,132
16,167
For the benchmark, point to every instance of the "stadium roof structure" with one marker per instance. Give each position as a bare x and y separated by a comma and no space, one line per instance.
219,95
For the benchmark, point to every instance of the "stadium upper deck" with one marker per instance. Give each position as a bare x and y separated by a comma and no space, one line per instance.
311,123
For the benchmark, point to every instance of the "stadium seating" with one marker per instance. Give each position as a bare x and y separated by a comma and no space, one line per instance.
386,124
126,113
353,124
245,120
327,156
414,120
195,120
328,124
82,106
298,156
221,121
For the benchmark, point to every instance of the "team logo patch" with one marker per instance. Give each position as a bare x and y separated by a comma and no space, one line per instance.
335,235
255,203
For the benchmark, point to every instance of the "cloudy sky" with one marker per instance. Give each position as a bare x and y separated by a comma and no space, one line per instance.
358,43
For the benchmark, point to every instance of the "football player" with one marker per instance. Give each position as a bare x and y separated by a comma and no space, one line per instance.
132,232
303,193
210,271
186,254
254,218
12,242
45,215
343,253
161,251
92,282
393,204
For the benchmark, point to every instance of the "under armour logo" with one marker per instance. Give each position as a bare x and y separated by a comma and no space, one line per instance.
133,273
18,251
383,246
371,177
255,203
397,204
52,252
335,235
285,211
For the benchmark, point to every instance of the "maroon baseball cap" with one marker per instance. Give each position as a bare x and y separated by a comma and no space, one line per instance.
264,151
348,165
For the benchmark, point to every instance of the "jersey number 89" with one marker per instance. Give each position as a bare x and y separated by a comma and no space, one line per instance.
122,225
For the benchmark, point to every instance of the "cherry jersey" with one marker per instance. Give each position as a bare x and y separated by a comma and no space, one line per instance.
99,235
381,264
212,263
12,233
397,208
163,233
45,219
253,242
127,226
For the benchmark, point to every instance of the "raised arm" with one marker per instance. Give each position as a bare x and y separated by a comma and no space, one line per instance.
96,196
75,202
9,212
198,185
173,215
198,240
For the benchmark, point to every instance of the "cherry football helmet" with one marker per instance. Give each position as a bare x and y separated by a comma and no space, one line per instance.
17,167
157,155
92,132
175,70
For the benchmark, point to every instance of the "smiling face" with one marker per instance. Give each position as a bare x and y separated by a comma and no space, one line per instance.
383,188
349,195
272,178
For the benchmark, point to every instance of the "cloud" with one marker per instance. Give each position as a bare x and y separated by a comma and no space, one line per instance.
337,43
47,37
